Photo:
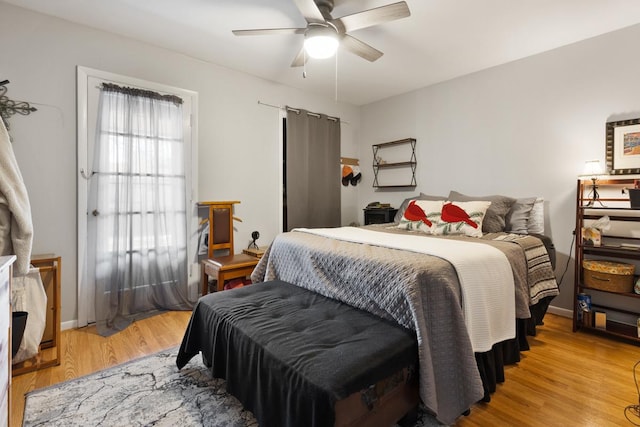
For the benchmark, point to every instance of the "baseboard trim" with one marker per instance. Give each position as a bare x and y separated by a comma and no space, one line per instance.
560,311
71,324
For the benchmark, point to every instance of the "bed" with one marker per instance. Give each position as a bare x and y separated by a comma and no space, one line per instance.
425,293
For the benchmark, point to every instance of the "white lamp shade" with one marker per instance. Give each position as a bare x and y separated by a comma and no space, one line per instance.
592,168
321,42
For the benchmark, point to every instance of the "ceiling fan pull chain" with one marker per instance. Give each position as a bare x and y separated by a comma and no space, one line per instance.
336,80
304,64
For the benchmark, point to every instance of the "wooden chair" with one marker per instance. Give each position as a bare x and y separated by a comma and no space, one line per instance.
225,267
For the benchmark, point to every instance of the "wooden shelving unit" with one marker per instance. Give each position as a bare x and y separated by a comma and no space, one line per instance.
625,226
411,163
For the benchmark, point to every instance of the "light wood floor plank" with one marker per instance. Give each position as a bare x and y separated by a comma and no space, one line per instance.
566,379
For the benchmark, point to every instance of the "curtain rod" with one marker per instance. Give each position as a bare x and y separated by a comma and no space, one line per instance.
295,110
140,92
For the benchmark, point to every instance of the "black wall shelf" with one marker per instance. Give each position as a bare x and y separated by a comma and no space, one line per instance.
412,163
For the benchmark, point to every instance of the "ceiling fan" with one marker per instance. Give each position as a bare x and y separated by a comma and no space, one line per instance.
323,33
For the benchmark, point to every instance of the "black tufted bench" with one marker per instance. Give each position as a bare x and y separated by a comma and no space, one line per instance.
295,358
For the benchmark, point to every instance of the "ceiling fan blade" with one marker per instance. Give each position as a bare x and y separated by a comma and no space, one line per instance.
360,48
269,31
309,10
371,17
299,60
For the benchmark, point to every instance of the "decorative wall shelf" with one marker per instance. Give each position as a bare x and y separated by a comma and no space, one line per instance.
379,165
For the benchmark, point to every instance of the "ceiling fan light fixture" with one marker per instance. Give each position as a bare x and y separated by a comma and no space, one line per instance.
321,41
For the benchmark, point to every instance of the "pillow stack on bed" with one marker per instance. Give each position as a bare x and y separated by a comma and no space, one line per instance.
471,215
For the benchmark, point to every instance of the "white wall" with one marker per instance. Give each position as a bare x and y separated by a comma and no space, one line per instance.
238,139
521,129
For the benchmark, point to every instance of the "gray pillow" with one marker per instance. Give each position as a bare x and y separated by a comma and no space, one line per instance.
494,220
518,217
405,203
535,224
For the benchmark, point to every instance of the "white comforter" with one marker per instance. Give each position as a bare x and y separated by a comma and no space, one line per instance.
484,272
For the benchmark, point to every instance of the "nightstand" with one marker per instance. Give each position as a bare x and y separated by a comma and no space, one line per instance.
379,215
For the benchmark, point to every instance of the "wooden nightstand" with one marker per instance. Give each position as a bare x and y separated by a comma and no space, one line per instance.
379,215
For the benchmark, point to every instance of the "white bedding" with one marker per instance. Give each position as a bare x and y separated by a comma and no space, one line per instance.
484,272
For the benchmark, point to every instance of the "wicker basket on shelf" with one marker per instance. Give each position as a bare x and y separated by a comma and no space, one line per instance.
608,276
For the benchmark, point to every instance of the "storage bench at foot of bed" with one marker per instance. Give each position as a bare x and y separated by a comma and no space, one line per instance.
296,358
382,404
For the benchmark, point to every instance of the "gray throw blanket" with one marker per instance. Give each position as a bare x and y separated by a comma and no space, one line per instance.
540,278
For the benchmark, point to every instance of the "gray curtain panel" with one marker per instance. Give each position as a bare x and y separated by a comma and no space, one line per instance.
312,182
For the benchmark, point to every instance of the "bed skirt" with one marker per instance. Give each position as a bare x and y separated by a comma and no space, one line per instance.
491,363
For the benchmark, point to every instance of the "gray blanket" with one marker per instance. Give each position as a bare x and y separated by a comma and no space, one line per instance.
418,291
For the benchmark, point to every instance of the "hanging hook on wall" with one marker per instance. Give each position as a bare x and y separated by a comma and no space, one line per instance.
9,107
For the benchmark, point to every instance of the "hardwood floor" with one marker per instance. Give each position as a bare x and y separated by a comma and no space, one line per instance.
566,379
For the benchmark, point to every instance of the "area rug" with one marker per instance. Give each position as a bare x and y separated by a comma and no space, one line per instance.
145,392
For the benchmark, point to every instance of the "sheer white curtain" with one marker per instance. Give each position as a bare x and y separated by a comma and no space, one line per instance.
137,207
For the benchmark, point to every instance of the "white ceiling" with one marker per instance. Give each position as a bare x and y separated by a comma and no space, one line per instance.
442,39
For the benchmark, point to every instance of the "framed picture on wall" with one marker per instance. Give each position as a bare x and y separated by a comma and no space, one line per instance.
623,147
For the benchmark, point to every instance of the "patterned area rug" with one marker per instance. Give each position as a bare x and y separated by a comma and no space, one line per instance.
144,392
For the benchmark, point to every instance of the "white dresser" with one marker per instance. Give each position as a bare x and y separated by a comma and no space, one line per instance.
5,339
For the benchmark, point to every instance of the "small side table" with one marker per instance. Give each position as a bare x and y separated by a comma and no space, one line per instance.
379,215
226,268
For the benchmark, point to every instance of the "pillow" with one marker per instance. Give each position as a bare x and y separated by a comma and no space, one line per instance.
536,218
421,215
526,216
404,204
428,197
462,218
518,217
494,221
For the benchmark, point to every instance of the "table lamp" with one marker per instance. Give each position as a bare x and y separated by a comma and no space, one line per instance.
592,170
